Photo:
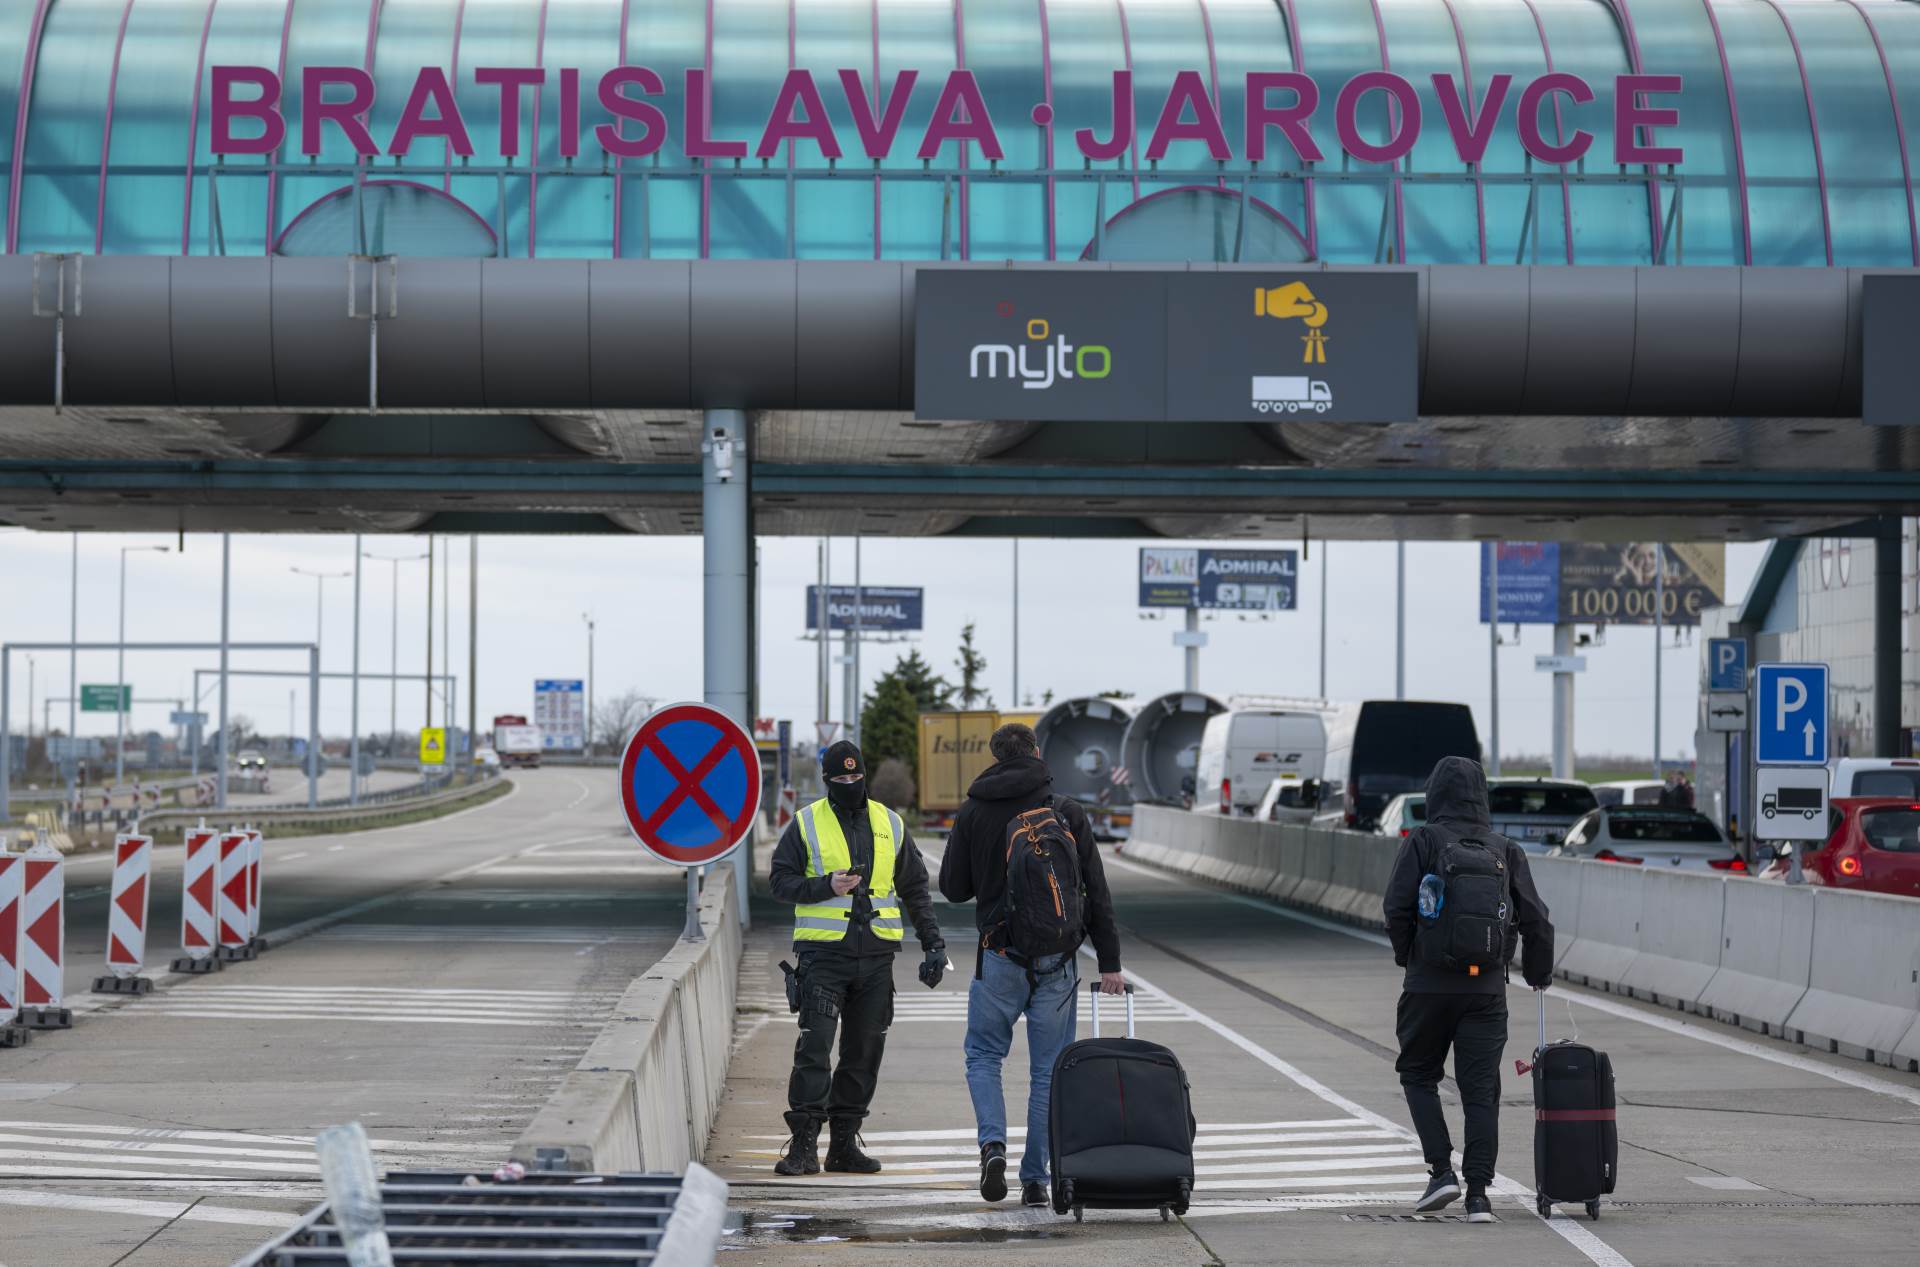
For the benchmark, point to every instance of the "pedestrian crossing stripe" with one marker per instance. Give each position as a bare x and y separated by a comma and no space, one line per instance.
571,935
1322,1153
521,1009
90,1150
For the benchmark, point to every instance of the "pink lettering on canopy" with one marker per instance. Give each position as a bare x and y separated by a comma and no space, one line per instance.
1630,115
798,89
315,109
1346,121
511,80
1189,92
1121,115
961,115
876,138
265,108
1535,141
698,143
653,124
1291,120
431,88
569,113
1471,135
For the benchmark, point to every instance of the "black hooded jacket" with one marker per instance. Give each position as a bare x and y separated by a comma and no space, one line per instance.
1456,809
975,867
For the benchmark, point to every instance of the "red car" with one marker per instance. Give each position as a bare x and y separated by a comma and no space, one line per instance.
1873,844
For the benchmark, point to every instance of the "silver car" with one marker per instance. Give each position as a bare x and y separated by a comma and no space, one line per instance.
1646,835
1402,814
1536,813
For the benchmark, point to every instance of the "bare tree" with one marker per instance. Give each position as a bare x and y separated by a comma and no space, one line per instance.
614,720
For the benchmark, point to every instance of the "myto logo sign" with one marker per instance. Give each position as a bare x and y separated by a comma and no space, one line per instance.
1042,359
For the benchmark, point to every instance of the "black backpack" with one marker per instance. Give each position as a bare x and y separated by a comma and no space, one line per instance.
1044,911
1473,930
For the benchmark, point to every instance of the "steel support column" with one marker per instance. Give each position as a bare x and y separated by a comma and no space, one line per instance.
726,519
1887,659
1563,706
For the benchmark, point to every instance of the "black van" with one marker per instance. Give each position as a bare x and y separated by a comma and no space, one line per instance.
1381,748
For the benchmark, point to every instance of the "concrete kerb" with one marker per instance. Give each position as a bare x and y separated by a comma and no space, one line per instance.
1609,921
644,1095
1681,920
1863,990
1766,956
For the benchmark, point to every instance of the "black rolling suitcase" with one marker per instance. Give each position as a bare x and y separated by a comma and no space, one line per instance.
1120,1125
1576,1147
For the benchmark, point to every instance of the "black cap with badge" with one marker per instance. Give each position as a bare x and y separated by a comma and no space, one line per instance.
845,774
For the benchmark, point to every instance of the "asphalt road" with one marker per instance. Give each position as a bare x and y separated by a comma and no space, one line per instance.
1734,1149
452,971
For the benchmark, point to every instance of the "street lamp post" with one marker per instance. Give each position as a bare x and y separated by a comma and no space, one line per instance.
320,580
123,696
589,736
393,655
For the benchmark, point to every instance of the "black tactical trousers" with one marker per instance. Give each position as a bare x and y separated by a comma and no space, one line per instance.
856,993
1475,1026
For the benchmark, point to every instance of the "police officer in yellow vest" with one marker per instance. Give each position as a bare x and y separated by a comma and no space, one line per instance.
848,866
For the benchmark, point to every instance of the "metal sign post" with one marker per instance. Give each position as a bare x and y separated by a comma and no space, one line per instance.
690,790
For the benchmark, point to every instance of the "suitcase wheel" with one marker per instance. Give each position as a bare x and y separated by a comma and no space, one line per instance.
1593,1210
1544,1206
1063,1197
1079,1213
1166,1215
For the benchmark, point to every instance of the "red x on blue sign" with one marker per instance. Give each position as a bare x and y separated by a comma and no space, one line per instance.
690,784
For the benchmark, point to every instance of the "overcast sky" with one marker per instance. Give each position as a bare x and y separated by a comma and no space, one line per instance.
1080,632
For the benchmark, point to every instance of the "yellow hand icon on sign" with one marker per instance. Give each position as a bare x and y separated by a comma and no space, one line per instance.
1290,300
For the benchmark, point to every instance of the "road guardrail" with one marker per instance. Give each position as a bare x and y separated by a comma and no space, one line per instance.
1820,966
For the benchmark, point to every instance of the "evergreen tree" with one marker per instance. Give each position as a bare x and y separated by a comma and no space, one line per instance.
972,666
890,715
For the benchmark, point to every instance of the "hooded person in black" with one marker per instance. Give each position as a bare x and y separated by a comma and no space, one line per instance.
1442,1008
1007,987
849,977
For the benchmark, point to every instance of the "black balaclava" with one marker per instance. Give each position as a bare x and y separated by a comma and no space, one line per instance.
841,759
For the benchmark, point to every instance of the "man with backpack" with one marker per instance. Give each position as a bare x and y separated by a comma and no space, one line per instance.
1457,901
1026,859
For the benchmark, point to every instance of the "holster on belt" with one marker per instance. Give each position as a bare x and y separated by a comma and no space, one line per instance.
793,986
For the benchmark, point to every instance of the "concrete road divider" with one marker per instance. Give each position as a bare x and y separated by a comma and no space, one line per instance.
1766,956
1609,922
644,1095
1680,931
1830,968
1863,992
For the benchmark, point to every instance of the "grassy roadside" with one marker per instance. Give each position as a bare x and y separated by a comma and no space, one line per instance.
401,816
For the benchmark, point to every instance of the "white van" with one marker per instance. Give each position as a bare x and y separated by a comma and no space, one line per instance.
1877,776
1244,751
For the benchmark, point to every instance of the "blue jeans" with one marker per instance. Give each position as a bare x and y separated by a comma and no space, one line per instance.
994,1002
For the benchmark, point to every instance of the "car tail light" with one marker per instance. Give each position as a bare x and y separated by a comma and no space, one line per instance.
1226,796
1406,831
1727,864
1849,866
1608,855
1352,819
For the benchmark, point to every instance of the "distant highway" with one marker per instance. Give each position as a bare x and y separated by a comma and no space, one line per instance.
450,971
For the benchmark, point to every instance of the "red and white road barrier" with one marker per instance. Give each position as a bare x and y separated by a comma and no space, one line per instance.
199,886
127,918
43,938
13,870
233,909
788,803
255,843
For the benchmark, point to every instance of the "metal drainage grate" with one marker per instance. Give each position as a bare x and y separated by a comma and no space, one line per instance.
543,1220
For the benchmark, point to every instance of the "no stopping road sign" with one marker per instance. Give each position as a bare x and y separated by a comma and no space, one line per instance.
690,784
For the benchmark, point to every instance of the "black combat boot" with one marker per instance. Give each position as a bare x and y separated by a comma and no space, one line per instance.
843,1149
803,1147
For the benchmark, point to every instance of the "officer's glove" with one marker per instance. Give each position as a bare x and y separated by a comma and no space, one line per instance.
934,966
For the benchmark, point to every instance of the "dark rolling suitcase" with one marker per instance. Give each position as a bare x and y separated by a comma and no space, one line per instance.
1576,1146
1120,1125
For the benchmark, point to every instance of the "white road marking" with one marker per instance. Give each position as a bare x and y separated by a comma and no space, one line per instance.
1725,1183
1684,1029
289,857
335,848
579,873
473,932
165,1210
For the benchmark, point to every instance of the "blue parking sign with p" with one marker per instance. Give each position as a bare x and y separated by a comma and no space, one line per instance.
1726,664
1790,714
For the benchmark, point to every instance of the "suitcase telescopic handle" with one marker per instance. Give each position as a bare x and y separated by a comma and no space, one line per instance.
1093,987
1521,1067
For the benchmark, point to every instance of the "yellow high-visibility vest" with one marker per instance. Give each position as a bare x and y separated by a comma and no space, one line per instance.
827,852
